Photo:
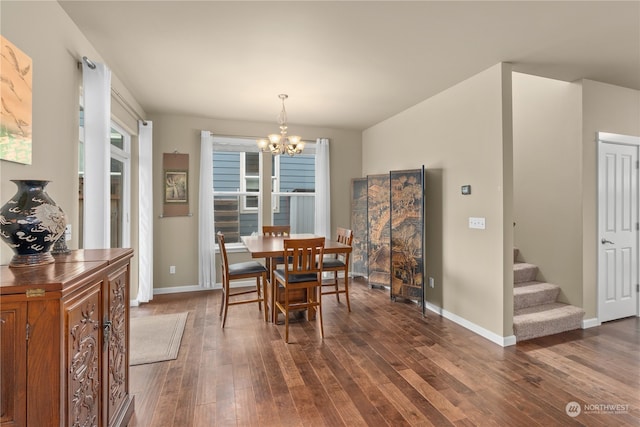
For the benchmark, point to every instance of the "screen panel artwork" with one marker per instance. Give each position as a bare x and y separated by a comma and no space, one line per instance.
407,234
378,216
359,255
16,91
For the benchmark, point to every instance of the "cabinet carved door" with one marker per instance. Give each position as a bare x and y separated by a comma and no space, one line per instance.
117,357
13,364
83,316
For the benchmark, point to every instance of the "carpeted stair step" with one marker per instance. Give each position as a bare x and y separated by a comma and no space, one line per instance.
523,272
529,294
546,319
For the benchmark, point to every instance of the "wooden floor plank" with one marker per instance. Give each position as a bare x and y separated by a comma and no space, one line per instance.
381,364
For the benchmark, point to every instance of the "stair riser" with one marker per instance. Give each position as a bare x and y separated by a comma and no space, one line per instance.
549,327
525,274
546,296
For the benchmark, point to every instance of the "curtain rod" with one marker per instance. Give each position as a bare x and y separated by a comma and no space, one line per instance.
121,99
128,106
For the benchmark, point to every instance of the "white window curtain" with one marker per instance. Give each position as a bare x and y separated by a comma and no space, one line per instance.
323,189
96,83
145,220
206,237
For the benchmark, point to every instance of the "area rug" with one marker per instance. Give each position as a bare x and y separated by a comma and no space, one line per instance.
156,338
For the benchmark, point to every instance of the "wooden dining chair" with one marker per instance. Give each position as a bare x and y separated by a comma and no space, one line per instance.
304,272
241,270
338,263
275,231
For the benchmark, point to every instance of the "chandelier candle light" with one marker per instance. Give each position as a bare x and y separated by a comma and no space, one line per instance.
282,143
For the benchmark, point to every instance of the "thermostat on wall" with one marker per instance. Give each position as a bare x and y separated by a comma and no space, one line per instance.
466,189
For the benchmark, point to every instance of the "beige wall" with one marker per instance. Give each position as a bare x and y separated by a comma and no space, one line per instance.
547,180
462,136
605,108
44,32
176,238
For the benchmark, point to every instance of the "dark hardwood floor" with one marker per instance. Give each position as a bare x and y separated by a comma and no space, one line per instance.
382,364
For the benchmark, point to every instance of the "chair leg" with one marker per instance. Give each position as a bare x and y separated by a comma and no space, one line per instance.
318,294
226,306
222,299
273,286
264,296
346,288
286,315
335,279
258,293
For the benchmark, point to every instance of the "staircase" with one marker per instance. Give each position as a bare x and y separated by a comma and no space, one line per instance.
536,312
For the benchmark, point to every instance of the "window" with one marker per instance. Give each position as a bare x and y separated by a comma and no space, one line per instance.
237,169
120,187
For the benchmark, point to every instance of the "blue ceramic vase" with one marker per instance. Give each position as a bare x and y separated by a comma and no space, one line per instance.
30,223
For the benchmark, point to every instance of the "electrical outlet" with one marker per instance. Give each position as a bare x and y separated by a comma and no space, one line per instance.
478,223
172,269
67,232
432,282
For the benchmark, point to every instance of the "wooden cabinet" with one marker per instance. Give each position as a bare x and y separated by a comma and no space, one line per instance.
65,341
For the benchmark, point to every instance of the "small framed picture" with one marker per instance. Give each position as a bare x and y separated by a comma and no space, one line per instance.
176,186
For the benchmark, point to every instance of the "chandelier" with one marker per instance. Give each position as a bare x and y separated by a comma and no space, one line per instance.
282,143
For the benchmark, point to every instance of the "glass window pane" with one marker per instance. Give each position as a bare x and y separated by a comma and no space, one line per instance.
226,171
229,220
252,164
117,140
296,211
297,173
117,179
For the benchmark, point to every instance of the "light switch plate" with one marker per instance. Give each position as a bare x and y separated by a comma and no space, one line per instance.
478,223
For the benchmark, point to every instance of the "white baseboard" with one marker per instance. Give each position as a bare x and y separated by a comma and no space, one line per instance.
590,323
178,289
485,333
196,288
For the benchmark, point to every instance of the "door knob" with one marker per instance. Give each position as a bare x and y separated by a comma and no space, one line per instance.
603,241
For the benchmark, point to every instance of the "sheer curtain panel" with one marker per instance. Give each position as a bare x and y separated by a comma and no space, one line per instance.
145,218
323,189
206,237
96,83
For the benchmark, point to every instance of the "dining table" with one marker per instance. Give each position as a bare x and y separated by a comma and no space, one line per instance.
269,247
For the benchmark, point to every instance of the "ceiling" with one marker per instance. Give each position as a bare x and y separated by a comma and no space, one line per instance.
345,64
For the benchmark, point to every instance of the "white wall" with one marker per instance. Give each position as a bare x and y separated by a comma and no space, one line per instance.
462,136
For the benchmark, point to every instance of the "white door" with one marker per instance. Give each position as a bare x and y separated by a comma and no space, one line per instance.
618,228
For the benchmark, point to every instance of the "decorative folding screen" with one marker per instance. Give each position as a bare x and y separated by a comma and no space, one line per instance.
378,230
407,234
359,256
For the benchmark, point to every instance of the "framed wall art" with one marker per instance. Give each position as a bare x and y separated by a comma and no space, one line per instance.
175,184
16,90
